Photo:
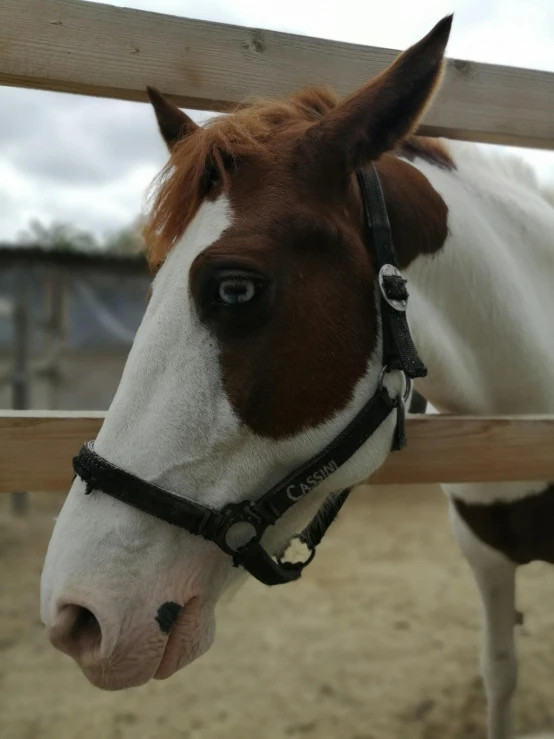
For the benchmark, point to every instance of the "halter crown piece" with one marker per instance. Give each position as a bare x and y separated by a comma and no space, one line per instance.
399,353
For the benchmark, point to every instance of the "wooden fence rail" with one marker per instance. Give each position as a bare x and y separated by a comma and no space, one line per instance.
96,49
36,449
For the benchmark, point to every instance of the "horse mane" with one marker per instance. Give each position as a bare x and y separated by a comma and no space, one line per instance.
205,158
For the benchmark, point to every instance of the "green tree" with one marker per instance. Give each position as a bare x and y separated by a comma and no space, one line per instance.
61,236
58,236
127,240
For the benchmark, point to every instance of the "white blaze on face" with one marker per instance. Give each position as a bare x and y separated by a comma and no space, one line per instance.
168,413
170,409
171,423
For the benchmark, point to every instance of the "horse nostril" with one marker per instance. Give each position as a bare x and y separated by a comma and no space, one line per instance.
85,623
76,631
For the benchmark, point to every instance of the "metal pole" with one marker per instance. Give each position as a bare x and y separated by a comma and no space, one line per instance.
20,368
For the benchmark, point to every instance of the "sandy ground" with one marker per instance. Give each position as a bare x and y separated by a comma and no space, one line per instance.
378,641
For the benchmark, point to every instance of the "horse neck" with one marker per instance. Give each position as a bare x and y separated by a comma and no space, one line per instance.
480,300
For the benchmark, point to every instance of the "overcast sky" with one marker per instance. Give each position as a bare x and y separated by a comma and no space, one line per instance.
89,161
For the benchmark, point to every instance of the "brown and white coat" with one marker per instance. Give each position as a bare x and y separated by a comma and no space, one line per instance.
260,342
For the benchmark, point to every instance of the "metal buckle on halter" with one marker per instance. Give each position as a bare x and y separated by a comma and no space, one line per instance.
398,301
235,515
407,381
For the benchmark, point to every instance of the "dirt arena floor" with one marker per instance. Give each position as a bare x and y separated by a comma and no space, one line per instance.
378,641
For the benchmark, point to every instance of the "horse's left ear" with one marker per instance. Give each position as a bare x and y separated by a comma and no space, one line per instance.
372,120
174,125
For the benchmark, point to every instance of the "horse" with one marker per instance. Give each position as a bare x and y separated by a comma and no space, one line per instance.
263,338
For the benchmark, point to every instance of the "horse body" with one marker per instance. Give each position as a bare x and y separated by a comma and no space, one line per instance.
481,308
481,313
261,342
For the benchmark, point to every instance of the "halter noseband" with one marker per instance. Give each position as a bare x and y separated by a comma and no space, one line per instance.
252,518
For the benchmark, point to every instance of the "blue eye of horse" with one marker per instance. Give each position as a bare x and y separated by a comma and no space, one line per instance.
236,290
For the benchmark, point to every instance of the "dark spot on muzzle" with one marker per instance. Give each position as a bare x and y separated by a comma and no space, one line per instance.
167,615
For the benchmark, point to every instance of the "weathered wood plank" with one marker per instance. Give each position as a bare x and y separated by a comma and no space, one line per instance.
96,49
36,449
444,448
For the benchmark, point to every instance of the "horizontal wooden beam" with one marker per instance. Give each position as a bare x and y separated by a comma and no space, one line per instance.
36,449
96,49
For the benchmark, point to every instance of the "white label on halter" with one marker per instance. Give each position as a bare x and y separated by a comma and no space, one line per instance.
295,492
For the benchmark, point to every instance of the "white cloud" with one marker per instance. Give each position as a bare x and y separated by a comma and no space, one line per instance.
89,161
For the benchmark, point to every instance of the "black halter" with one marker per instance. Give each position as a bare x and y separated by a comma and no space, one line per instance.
252,518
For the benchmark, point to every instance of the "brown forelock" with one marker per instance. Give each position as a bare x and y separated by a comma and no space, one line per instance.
522,530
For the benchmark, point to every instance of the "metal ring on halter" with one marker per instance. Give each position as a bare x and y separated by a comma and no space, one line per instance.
389,270
407,381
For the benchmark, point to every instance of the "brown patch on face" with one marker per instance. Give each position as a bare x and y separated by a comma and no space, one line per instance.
522,530
417,213
293,359
432,150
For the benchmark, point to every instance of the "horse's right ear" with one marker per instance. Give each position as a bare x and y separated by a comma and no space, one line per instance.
375,118
174,125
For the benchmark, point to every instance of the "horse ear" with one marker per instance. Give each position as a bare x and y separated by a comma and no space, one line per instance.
174,125
373,119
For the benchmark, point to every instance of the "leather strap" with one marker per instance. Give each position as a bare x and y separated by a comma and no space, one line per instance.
277,501
99,474
399,351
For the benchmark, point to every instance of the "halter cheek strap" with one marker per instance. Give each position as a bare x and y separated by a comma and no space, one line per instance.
399,351
248,518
